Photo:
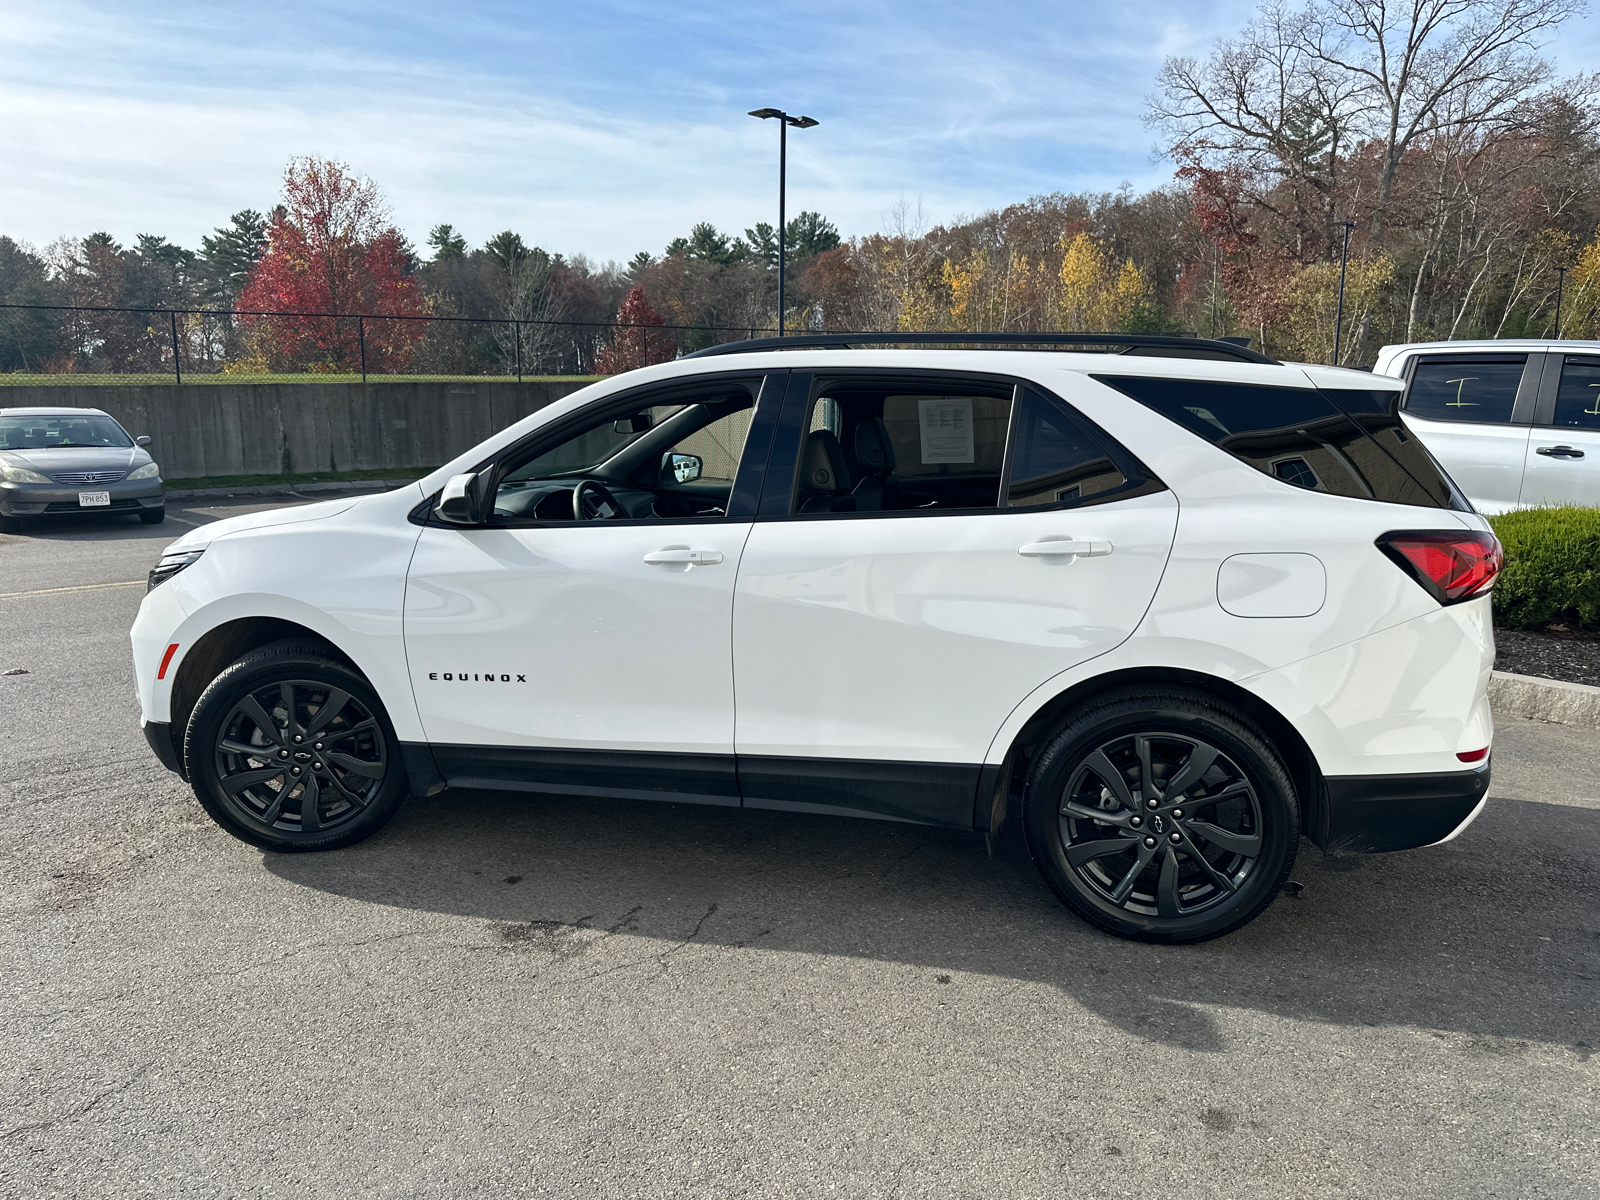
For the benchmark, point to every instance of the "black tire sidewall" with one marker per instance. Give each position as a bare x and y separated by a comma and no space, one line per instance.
1188,716
259,669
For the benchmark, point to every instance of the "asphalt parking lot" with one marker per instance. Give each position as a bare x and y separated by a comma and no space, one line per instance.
503,996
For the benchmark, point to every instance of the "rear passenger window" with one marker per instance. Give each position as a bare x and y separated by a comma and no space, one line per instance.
872,446
1483,390
1054,460
1578,398
1348,443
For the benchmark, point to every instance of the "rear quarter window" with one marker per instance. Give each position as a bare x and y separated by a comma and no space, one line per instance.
1345,443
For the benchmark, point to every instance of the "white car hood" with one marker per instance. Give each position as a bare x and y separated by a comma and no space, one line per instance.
200,538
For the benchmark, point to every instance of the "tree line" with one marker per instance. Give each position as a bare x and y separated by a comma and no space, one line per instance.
1430,140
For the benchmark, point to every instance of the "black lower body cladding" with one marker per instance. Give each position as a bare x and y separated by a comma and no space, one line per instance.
1372,814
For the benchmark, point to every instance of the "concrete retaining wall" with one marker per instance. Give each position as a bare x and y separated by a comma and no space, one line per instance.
299,428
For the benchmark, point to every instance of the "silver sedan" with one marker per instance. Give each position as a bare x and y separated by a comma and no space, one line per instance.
61,461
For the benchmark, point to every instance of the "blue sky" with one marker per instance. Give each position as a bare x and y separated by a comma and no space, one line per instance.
589,127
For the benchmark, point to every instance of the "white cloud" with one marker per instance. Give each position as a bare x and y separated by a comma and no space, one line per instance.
602,128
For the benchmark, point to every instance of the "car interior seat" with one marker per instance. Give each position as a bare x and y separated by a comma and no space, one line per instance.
824,475
876,489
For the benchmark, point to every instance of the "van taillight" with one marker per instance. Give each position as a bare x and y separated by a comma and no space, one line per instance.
1450,566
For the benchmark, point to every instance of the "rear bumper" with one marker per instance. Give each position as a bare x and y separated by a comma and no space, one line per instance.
159,735
1371,814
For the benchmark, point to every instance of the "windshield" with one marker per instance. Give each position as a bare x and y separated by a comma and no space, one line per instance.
42,432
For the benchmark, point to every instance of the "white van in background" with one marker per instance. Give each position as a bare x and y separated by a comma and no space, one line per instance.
1515,423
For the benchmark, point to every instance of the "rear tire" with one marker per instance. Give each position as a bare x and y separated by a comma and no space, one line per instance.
1161,815
153,516
290,749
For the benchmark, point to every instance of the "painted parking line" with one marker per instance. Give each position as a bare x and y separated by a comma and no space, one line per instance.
82,587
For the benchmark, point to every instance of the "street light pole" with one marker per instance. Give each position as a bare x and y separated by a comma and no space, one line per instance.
1561,283
1338,320
784,121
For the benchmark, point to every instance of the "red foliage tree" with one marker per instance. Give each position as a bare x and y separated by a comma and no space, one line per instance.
639,341
331,250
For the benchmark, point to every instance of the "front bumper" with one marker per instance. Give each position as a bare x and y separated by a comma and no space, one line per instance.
1371,814
51,499
159,735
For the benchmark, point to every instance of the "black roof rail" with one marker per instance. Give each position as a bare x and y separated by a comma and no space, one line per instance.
1158,345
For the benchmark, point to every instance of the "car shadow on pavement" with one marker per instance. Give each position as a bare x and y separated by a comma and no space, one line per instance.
96,527
1495,936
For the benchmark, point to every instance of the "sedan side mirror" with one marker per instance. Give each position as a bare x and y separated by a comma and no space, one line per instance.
461,501
142,440
638,423
681,468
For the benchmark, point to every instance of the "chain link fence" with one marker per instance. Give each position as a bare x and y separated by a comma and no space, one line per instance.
45,343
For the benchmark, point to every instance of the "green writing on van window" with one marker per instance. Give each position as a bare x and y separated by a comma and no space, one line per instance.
1458,402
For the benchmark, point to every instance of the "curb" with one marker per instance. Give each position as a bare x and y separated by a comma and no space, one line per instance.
1545,699
292,489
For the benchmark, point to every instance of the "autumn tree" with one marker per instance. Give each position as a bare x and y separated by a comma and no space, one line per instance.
638,340
331,250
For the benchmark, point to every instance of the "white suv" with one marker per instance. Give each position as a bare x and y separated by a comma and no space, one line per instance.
1181,603
1516,423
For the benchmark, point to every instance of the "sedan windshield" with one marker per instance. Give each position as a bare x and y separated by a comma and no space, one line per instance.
47,432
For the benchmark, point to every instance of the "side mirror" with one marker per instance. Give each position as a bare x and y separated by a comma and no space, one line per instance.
142,440
681,468
461,502
638,423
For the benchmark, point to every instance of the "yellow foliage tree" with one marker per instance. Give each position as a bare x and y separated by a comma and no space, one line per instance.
1581,304
1096,295
1314,305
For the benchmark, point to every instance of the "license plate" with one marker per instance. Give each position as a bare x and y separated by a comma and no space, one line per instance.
94,499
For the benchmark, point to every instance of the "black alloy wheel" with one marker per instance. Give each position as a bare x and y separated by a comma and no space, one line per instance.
290,749
1162,817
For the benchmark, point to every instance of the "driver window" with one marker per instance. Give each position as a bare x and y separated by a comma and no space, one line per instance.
660,462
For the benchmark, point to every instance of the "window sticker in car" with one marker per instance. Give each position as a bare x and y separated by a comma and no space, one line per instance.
946,427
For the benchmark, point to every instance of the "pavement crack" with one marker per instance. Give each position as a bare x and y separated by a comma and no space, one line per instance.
82,1109
694,933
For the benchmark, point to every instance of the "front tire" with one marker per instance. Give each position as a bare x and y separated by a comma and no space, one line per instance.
153,516
290,749
1162,816
10,524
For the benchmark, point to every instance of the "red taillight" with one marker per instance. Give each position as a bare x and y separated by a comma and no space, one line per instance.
1473,755
1451,566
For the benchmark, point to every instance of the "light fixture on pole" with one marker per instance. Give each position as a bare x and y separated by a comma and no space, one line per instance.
1338,320
784,121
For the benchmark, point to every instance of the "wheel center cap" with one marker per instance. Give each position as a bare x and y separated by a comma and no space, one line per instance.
1158,825
302,755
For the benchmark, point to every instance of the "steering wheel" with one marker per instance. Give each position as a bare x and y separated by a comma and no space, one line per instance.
587,498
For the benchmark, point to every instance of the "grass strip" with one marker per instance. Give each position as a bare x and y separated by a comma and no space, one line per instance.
226,481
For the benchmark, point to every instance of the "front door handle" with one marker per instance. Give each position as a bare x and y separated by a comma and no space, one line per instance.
698,558
1053,549
1559,451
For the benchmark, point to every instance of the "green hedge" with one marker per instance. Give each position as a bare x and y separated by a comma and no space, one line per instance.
1552,569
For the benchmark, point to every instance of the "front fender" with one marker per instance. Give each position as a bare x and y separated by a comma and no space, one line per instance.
343,579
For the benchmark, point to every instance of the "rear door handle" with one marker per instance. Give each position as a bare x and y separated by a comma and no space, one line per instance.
1054,549
1560,452
699,558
